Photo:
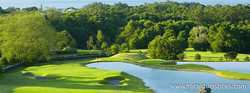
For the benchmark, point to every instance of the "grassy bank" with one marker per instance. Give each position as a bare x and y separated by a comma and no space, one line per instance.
72,77
209,56
205,56
170,65
81,52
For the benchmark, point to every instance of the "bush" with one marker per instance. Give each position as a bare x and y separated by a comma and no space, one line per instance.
246,58
104,45
114,49
165,47
108,52
221,59
181,56
124,48
4,60
197,57
237,59
231,55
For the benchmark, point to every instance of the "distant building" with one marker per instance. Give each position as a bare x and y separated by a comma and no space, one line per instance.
70,10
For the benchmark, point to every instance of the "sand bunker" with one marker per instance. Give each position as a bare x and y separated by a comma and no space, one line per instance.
114,82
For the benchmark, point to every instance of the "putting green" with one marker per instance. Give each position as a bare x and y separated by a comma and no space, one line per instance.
72,77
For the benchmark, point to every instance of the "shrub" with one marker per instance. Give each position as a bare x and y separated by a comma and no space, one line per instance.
124,48
246,58
221,59
231,55
197,57
108,52
181,56
4,60
166,47
104,45
99,53
114,49
237,59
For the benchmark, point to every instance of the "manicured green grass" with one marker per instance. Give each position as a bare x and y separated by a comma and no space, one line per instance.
81,52
205,56
192,66
157,61
137,50
233,75
169,63
130,56
164,64
209,56
74,78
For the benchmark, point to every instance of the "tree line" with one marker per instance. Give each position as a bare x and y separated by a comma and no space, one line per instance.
219,28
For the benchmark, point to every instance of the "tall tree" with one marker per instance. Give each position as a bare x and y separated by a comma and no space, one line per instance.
90,42
26,37
198,38
225,37
165,47
100,39
65,40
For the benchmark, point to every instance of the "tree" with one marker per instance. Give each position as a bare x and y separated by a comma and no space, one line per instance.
230,55
100,39
108,52
90,42
181,56
246,58
165,47
197,57
198,38
12,9
104,45
65,40
221,59
225,37
182,37
26,37
29,9
114,49
124,48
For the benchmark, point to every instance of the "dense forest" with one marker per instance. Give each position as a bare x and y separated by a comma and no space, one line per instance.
218,28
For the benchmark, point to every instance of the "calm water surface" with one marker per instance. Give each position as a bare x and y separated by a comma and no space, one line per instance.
161,80
230,66
81,3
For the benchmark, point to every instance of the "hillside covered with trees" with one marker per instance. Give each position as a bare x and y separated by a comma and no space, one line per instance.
218,28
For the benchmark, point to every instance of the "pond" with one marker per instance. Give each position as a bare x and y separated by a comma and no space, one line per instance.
161,80
229,66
